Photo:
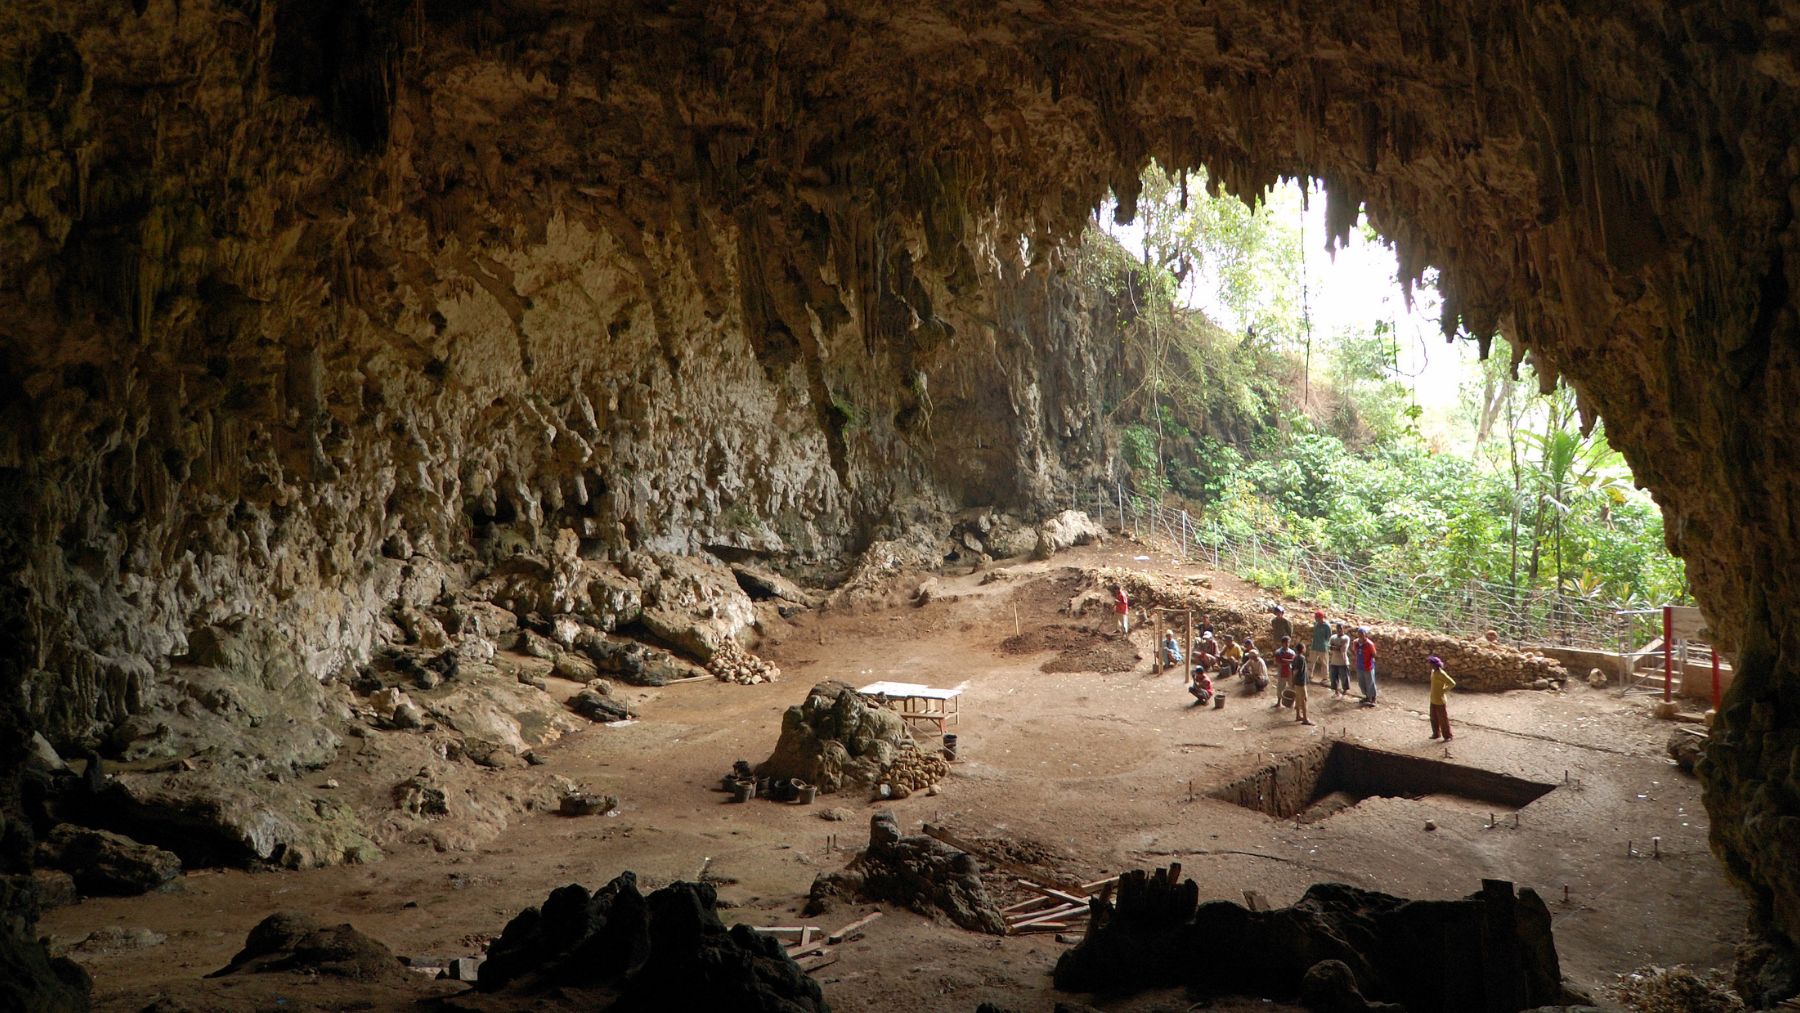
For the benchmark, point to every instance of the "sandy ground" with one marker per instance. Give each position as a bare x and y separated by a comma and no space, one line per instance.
1106,771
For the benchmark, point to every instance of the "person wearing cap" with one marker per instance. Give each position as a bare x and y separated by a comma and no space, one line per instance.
1317,649
1232,650
1340,662
1441,685
1362,654
1280,627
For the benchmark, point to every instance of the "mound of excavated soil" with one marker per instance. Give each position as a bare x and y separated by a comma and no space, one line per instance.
1078,649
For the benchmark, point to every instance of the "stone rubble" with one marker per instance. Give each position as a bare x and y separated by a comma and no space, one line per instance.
915,871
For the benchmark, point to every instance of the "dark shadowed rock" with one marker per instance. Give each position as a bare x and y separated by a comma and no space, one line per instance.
919,872
596,706
107,863
629,953
287,941
1491,952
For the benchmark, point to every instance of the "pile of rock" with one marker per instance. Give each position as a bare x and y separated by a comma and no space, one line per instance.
1475,664
733,663
836,741
919,872
667,951
102,862
1066,530
913,771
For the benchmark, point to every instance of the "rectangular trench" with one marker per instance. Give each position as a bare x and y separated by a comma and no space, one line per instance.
1287,787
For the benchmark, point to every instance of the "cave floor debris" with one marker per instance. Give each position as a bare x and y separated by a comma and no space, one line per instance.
1084,772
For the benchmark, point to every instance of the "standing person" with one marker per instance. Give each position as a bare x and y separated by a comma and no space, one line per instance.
1301,677
1362,651
1441,685
1255,669
1122,608
1340,662
1284,668
1279,627
1316,651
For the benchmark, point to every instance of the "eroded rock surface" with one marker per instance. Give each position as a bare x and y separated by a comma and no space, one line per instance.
917,872
303,329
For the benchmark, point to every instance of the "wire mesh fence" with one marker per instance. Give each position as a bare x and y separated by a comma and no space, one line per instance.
1522,616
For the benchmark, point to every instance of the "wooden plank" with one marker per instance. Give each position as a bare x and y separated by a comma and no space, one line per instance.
1061,913
1046,927
1067,898
806,935
785,930
825,959
1096,884
797,952
1021,905
844,933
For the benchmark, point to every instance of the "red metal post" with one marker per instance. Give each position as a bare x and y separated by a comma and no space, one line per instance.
1668,653
1715,654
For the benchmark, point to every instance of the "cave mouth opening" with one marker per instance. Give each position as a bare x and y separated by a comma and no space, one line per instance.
1328,778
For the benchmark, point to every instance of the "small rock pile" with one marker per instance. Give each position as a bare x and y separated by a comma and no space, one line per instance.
732,663
1686,747
914,771
287,941
922,873
836,741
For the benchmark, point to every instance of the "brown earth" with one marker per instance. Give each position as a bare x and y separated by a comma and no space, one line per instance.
1077,774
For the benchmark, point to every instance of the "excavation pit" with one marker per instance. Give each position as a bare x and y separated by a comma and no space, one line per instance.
1316,783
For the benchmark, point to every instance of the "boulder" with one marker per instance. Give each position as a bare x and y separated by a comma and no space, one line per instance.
1686,747
288,941
596,706
760,582
1066,530
107,863
691,603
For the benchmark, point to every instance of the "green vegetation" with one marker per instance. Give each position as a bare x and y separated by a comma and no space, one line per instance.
1269,438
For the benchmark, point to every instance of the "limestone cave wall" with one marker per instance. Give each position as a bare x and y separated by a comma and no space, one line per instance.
309,304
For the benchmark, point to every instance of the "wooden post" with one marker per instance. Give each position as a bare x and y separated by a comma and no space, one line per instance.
1668,653
1715,667
1156,663
1189,615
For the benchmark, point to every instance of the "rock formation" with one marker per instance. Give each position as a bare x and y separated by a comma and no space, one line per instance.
916,871
836,741
320,312
1491,951
667,951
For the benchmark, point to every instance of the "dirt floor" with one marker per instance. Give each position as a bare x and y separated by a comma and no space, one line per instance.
1089,772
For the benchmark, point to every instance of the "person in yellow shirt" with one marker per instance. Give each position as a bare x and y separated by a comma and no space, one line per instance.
1441,684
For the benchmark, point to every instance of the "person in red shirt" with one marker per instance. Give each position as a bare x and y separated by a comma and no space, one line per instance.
1284,668
1122,608
1362,656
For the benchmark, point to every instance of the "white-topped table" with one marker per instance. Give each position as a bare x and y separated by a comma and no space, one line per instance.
917,702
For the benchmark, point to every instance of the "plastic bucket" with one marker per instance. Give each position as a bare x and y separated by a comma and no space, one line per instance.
743,791
950,746
808,792
1218,701
1287,698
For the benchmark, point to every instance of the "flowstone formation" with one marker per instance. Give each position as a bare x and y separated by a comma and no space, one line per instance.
317,311
836,741
1491,951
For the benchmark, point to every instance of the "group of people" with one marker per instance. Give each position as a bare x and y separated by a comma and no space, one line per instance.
1329,653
